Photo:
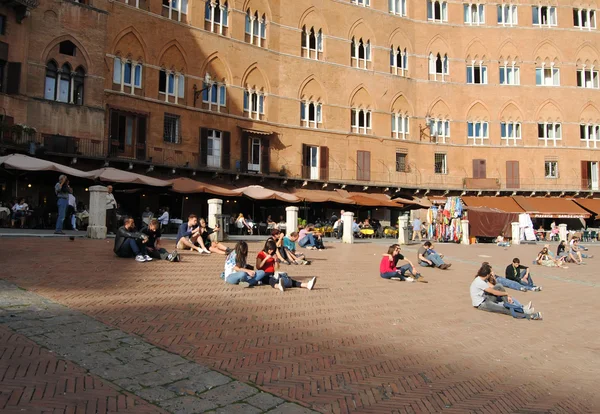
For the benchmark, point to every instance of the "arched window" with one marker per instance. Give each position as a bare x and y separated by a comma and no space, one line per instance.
127,73
361,53
439,130
361,121
474,14
311,114
216,16
64,85
254,104
312,43
397,7
256,29
437,11
171,83
477,132
399,61
400,125
78,86
438,67
214,93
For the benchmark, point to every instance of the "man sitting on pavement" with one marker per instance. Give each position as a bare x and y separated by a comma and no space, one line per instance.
426,256
129,243
188,235
517,277
153,234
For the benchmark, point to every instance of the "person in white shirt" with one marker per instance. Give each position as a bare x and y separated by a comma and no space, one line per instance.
111,211
20,212
487,297
416,224
164,219
71,211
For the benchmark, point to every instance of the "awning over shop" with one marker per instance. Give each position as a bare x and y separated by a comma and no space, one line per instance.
189,186
507,204
541,207
591,204
416,203
438,199
25,163
258,192
113,175
490,222
321,196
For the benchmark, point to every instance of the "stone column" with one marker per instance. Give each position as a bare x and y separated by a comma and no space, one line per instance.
465,232
291,219
97,221
402,223
215,206
562,232
348,219
516,233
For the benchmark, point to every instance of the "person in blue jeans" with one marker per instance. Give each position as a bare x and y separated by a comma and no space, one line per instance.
388,266
517,277
62,191
130,243
236,269
488,296
426,256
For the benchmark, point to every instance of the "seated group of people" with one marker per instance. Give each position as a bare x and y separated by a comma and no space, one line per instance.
573,254
488,293
426,257
144,245
197,236
278,249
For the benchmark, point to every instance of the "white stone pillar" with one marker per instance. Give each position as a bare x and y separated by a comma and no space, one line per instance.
516,233
291,219
97,221
562,232
215,206
402,223
347,220
465,232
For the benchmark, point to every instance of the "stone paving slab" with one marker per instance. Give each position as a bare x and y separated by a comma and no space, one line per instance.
118,364
357,343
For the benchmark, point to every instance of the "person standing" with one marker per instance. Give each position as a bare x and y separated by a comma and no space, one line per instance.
416,224
111,211
62,191
164,220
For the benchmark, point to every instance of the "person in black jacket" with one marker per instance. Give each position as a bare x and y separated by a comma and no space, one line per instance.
129,243
517,277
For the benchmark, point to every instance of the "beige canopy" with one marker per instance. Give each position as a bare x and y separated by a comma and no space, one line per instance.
119,176
189,186
25,163
258,192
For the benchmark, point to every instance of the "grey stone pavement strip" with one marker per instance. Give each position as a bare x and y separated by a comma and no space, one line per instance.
173,383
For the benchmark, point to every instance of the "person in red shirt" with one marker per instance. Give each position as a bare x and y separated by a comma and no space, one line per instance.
388,269
266,260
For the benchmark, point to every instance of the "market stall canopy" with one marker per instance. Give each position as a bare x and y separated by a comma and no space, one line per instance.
591,204
490,222
189,186
25,163
507,204
551,207
258,192
320,196
112,175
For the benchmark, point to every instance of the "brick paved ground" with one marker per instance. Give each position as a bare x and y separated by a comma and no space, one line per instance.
35,380
356,343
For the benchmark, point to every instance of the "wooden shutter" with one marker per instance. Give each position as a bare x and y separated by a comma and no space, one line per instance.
479,168
363,161
114,133
225,150
585,173
305,162
324,163
244,142
7,122
13,78
265,160
512,174
203,147
141,138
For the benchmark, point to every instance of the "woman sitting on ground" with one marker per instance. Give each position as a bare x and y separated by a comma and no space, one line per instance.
544,258
388,269
310,239
501,242
561,251
266,262
236,270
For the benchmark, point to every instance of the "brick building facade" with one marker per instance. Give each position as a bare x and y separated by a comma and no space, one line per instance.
418,95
